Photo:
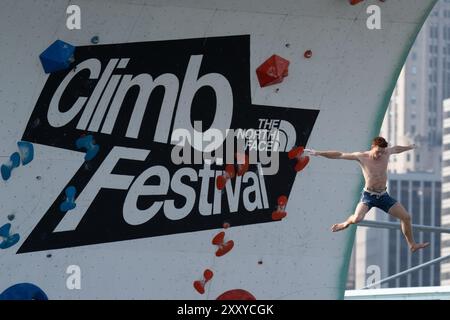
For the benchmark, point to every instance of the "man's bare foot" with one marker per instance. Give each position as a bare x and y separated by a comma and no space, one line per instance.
339,226
419,246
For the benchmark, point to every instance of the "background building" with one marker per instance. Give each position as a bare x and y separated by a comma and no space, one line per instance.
445,267
415,111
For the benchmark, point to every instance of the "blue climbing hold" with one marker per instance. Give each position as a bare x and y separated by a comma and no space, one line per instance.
23,291
8,239
88,143
14,162
26,151
95,39
25,154
69,203
4,230
57,57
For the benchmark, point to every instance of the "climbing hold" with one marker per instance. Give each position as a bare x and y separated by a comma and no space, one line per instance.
88,143
49,255
25,155
354,2
226,225
242,163
307,54
222,180
38,178
302,160
280,213
8,239
11,217
58,56
14,162
23,291
224,247
199,285
26,151
95,40
272,71
69,203
236,294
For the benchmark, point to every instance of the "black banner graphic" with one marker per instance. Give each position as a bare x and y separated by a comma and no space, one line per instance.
130,97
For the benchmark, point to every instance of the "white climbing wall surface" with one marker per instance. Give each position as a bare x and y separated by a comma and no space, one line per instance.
136,224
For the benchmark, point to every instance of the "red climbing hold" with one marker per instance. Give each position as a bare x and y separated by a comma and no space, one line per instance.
236,294
280,213
199,285
218,238
222,180
302,161
272,71
353,2
307,54
224,247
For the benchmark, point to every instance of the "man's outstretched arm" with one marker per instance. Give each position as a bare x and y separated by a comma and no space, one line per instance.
334,154
400,149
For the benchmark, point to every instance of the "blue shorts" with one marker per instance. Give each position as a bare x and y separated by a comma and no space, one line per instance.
383,202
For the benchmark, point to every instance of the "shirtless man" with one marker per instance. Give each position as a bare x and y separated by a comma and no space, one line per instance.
374,166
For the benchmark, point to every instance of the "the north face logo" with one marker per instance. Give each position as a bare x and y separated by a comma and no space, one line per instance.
132,97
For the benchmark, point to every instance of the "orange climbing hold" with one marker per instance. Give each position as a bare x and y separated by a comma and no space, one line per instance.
229,174
302,161
199,285
224,247
280,213
272,71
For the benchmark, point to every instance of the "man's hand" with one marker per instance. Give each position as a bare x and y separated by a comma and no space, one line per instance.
312,152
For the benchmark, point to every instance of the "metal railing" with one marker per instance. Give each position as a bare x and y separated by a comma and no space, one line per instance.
398,275
394,225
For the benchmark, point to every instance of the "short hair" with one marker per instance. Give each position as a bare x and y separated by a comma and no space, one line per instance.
380,142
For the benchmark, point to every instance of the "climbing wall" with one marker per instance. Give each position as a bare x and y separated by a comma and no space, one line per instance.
91,185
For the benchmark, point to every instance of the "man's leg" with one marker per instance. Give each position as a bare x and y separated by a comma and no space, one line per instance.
360,212
398,211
